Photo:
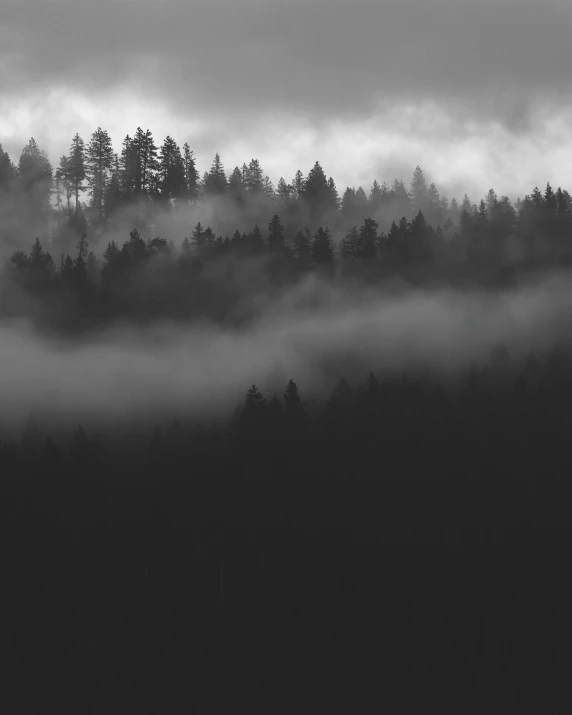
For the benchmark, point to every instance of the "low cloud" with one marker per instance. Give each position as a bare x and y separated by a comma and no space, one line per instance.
314,333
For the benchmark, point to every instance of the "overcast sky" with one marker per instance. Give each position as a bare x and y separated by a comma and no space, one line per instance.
478,93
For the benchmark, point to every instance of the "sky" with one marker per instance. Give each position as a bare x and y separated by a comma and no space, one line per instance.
477,93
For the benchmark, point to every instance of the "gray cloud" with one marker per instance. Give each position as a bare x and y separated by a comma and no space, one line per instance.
314,333
318,58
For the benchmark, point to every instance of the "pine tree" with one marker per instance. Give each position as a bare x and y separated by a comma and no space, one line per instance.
294,412
215,181
303,245
145,152
401,198
348,206
111,259
63,175
198,238
256,240
254,177
349,245
130,176
550,201
367,243
7,172
99,165
236,186
171,172
561,202
419,192
135,247
76,168
375,200
35,180
38,257
113,194
298,185
322,249
191,174
254,412
80,265
276,235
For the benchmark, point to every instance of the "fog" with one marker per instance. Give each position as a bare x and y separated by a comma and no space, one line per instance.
314,333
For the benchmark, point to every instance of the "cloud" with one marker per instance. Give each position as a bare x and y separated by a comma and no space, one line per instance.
495,59
313,333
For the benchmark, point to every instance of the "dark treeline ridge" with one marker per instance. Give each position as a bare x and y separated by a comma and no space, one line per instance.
402,532
104,258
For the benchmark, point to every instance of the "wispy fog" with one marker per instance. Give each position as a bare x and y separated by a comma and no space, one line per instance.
314,333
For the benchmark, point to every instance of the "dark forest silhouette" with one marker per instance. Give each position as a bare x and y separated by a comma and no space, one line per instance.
402,530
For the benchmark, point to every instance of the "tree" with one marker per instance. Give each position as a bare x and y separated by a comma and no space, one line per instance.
303,245
298,185
401,198
236,186
318,193
7,172
171,172
256,240
135,248
191,174
38,258
146,154
561,202
113,194
63,176
99,161
367,243
550,201
294,412
276,235
215,181
35,180
419,192
111,262
322,249
76,168
349,245
198,237
253,177
375,200
130,169
254,412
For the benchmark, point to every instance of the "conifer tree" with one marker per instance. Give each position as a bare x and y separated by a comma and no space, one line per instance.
375,199
7,172
76,168
171,172
303,245
198,237
99,165
276,235
419,191
35,181
349,245
322,249
215,182
367,243
191,174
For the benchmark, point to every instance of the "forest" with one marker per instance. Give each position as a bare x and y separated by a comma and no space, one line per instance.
308,551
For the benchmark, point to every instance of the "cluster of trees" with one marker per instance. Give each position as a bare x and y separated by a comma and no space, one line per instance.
407,224
151,277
